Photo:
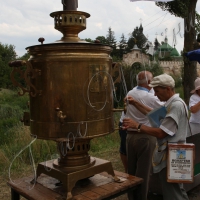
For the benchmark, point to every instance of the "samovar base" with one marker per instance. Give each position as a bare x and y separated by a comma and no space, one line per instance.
69,179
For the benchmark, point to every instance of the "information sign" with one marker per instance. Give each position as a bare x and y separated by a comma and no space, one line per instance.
180,163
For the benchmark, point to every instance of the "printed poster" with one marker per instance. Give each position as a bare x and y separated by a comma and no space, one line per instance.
180,163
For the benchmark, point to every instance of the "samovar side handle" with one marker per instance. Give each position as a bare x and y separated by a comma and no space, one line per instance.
26,75
16,69
17,63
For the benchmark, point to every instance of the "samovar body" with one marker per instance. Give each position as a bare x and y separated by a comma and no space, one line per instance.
75,90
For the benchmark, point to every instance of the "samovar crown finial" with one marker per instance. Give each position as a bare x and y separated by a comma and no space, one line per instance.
70,4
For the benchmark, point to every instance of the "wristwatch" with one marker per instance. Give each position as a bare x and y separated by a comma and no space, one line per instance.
138,128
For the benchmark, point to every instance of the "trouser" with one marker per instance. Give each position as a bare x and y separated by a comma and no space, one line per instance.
140,148
171,191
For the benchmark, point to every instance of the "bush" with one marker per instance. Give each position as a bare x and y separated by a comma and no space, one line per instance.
12,107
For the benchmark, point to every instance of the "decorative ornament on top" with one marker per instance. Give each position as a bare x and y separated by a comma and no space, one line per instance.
70,4
152,0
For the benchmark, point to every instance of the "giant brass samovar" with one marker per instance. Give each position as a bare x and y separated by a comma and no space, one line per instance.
71,100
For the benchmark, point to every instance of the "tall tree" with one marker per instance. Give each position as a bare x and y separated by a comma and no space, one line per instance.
137,37
110,37
185,9
7,54
122,46
156,44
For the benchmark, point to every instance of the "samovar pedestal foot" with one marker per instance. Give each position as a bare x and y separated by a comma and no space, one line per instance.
69,178
69,196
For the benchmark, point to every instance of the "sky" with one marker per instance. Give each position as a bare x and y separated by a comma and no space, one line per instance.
22,22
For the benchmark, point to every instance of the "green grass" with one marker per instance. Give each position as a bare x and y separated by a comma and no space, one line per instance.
14,137
180,91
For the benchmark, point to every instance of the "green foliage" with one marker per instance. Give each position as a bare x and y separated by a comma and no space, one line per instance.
137,37
156,44
186,9
178,81
110,37
89,40
14,136
179,90
105,143
12,107
26,56
102,39
122,46
111,41
7,54
19,148
178,8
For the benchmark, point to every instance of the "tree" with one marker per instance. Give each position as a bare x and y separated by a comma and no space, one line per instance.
89,40
111,41
122,46
102,39
137,37
156,44
185,9
26,56
7,54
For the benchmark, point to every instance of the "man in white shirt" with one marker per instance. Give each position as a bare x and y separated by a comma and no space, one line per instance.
140,146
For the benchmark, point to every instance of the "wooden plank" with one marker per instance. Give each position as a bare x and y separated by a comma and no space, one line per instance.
37,192
124,175
101,191
80,197
112,188
92,195
121,174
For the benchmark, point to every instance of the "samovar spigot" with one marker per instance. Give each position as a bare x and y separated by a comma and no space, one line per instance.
60,115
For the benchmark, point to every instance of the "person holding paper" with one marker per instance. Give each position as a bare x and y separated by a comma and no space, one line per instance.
140,146
173,128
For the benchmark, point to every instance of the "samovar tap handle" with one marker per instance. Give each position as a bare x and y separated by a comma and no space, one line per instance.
60,115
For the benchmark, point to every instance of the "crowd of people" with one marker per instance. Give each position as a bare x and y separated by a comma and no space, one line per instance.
143,146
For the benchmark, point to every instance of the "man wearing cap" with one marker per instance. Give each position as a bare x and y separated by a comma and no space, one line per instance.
194,105
140,146
173,128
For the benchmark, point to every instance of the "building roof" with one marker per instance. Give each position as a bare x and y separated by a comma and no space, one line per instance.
135,48
167,50
174,52
165,47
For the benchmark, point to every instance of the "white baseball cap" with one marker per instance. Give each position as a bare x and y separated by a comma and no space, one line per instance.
163,80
